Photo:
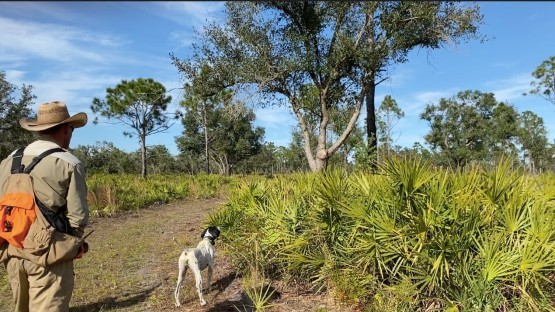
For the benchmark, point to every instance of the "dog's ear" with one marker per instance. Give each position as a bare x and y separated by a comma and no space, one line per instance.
203,232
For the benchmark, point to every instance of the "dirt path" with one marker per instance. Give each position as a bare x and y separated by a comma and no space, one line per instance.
132,266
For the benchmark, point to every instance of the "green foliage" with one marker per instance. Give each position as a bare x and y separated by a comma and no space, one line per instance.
409,238
323,57
471,126
260,296
535,145
219,131
105,157
140,104
544,85
387,116
14,105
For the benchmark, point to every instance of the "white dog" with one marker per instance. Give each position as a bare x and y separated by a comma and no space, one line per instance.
198,259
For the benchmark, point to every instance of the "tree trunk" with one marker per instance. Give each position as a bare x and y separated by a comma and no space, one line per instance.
205,124
371,124
143,155
321,160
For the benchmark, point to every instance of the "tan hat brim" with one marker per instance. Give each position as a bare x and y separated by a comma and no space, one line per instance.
77,121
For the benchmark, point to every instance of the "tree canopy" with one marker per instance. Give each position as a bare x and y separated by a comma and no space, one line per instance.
340,48
15,103
140,104
218,129
544,85
538,152
470,126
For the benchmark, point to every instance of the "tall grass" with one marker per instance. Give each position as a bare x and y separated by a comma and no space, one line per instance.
411,238
108,194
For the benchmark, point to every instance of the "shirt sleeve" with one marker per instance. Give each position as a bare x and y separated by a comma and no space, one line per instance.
77,206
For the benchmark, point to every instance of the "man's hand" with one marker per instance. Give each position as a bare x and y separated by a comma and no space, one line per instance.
83,249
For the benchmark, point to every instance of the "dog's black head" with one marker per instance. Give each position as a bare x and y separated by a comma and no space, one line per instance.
211,232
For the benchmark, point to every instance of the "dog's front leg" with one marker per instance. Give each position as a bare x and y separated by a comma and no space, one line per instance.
198,280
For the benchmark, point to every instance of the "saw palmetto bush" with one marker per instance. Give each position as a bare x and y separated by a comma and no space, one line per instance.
410,237
269,214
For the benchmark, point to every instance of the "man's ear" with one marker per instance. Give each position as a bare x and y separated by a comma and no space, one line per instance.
67,128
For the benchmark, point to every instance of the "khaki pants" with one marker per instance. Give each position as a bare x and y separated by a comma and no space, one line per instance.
40,289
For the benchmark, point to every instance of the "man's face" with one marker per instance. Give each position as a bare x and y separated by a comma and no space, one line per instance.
68,131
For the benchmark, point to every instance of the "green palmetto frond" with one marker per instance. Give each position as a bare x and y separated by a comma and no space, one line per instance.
515,213
537,262
408,175
499,263
330,192
502,182
542,220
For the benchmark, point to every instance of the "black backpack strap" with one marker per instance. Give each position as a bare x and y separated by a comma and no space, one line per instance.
40,157
16,161
58,219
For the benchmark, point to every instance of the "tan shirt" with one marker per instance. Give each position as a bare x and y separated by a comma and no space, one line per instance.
58,179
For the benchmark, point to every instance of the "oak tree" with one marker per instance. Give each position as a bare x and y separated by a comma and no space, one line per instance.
341,48
471,125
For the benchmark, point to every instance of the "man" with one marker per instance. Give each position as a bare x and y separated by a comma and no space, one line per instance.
58,182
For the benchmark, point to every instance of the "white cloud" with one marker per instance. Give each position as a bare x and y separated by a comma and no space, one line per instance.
193,14
181,39
428,97
35,9
50,41
415,104
15,77
10,58
510,88
74,88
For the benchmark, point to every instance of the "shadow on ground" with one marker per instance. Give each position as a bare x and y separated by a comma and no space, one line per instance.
112,303
223,283
244,303
218,288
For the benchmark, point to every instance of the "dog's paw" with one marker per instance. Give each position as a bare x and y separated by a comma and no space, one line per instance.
177,305
202,302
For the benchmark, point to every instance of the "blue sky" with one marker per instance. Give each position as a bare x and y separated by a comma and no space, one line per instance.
73,51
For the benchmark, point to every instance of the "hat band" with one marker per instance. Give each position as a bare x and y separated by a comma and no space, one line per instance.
52,115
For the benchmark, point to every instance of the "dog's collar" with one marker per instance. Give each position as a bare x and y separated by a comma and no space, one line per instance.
210,238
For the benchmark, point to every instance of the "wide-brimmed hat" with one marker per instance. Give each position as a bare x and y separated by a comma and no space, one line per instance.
52,114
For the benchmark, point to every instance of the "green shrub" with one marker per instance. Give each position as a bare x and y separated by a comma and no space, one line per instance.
410,236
